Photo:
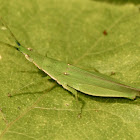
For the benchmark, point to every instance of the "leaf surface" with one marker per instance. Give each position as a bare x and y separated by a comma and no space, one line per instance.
88,34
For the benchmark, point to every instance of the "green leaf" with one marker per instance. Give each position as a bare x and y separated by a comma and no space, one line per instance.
70,31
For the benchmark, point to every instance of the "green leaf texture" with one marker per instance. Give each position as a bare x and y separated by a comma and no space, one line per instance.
88,34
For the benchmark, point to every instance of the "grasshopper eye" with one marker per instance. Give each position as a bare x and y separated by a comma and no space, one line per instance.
28,58
30,49
65,73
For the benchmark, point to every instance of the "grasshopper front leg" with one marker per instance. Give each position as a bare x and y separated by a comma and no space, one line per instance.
72,90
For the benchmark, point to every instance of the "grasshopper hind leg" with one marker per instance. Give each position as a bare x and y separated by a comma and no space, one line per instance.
74,92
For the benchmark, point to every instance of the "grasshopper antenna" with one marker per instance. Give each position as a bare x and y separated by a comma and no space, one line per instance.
7,44
5,25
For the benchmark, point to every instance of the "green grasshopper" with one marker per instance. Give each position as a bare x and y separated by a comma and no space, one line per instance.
75,79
